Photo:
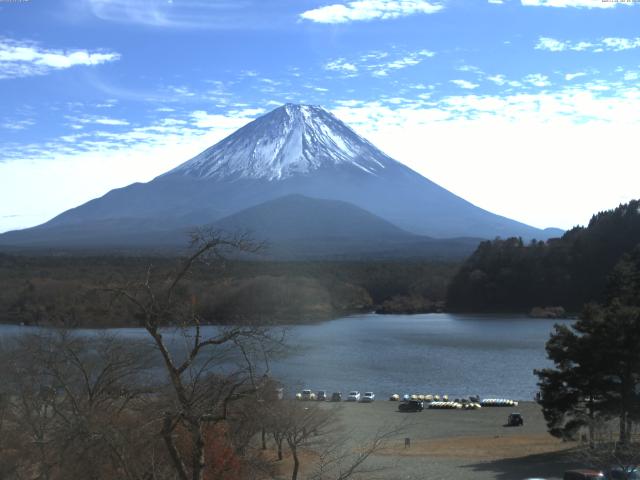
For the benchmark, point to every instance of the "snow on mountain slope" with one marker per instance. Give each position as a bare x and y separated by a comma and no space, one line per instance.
290,140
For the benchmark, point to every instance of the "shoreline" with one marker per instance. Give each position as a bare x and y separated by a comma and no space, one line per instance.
513,316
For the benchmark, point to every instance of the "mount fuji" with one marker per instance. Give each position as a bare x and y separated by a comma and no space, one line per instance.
294,155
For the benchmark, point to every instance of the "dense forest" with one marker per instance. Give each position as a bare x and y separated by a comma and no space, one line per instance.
73,290
509,275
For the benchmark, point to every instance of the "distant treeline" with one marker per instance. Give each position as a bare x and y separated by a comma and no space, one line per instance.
74,290
509,275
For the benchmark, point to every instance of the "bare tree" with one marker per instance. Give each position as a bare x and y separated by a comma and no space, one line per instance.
76,408
202,382
337,462
317,429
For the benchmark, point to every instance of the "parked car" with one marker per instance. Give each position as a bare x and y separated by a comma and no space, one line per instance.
631,472
354,396
515,420
411,406
308,395
368,397
583,475
321,396
336,397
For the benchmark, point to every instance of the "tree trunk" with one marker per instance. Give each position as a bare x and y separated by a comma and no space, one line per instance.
198,453
591,422
296,463
278,439
264,439
174,453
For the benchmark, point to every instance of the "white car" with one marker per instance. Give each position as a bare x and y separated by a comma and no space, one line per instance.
353,396
368,397
308,395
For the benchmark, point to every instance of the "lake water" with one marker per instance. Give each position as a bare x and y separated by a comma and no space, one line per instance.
458,355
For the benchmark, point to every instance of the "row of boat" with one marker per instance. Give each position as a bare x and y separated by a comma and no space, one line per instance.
443,401
499,402
454,405
419,396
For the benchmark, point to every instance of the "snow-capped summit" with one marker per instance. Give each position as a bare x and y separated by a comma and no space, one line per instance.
292,139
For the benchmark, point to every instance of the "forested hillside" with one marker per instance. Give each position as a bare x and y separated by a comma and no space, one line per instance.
509,275
72,290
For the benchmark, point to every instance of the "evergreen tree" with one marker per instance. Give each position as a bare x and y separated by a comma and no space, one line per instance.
506,275
597,361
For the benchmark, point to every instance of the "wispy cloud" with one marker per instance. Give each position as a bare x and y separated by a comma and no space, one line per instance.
378,63
572,3
612,44
78,121
176,14
572,76
362,10
18,124
408,60
26,59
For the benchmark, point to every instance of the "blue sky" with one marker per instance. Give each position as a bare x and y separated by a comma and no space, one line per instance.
529,108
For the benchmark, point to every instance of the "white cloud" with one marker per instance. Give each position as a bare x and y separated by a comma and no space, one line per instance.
465,84
76,168
78,121
551,44
25,59
372,63
617,44
571,3
497,79
571,76
501,151
341,65
369,10
18,124
470,68
614,44
111,121
537,80
414,58
175,14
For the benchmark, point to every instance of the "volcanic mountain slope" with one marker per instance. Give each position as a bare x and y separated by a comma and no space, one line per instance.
295,226
295,149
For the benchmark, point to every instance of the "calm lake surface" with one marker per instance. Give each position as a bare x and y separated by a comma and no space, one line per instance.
458,355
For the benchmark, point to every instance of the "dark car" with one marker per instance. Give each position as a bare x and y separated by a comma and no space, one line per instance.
336,397
583,475
411,406
321,396
515,420
627,473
